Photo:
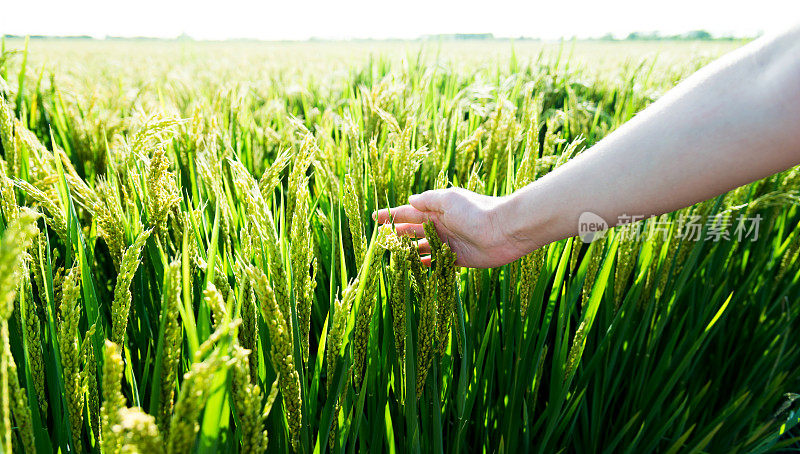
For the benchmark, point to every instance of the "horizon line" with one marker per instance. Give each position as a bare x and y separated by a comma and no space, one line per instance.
692,35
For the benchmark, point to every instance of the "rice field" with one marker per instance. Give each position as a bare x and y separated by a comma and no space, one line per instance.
188,262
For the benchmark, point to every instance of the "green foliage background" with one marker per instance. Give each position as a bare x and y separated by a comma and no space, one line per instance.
665,344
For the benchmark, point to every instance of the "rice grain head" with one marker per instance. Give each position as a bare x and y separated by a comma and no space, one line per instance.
247,401
248,336
297,177
271,177
595,257
161,189
5,401
121,306
108,212
216,305
302,255
626,259
18,401
281,352
446,295
380,169
196,384
426,337
351,204
465,152
138,432
575,352
366,309
55,214
7,120
68,340
265,235
16,239
342,308
33,325
173,336
8,199
90,379
399,284
113,400
426,297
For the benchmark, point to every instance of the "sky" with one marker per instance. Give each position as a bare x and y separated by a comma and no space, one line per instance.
408,19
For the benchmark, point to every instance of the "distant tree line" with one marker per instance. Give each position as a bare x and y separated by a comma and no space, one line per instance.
694,35
76,37
458,36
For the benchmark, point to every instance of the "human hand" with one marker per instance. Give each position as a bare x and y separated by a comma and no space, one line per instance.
470,223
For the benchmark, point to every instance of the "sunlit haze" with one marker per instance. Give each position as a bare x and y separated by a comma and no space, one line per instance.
355,19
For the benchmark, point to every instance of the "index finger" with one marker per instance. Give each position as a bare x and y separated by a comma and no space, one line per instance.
403,213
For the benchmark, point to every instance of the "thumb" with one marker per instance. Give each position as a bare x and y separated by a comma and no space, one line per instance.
429,200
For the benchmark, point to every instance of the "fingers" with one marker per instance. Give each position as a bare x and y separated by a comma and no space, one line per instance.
418,210
408,219
424,247
402,214
411,230
426,260
415,231
429,200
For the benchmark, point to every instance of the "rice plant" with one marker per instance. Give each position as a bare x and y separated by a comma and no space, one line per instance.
188,264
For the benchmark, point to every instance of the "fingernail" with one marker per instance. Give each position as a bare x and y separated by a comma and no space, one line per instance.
374,215
412,198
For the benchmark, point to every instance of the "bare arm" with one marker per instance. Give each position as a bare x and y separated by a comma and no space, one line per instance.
732,122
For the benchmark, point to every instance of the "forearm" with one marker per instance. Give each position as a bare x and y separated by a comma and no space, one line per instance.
733,122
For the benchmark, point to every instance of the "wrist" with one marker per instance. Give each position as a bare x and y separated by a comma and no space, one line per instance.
525,220
512,222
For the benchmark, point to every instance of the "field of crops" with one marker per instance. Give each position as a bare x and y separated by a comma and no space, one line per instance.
188,262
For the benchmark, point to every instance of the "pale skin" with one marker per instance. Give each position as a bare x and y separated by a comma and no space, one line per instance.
735,121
